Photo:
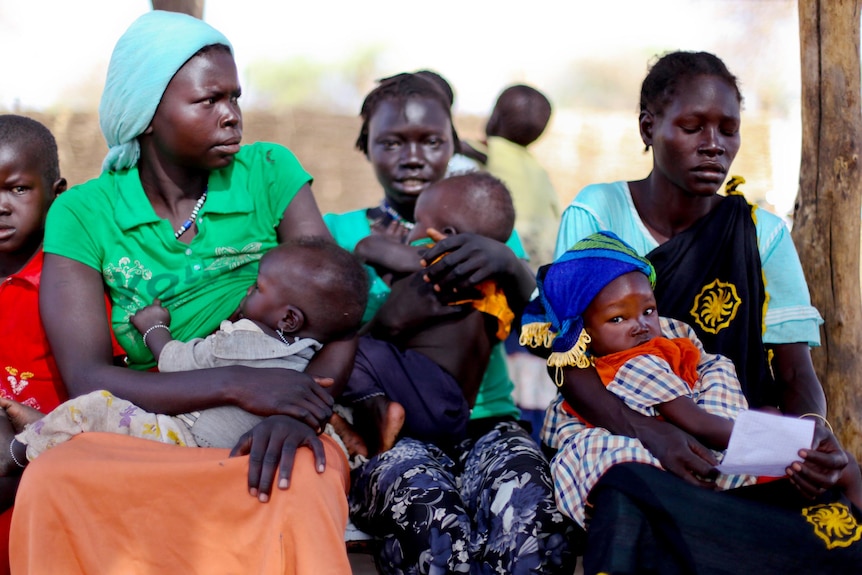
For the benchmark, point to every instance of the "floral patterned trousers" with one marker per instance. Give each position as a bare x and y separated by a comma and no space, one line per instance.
491,511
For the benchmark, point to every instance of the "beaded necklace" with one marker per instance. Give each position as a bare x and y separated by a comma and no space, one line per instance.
395,216
194,215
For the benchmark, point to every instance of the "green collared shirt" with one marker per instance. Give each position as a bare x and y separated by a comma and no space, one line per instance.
109,224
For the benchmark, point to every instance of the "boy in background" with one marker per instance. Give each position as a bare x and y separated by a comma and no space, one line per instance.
518,119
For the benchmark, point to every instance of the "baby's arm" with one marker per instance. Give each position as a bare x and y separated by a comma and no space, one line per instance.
385,254
466,149
154,321
648,384
712,430
718,396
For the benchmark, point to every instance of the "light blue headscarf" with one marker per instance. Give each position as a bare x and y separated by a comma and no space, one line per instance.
145,59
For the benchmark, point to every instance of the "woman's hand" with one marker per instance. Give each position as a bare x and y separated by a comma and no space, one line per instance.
680,453
821,467
286,392
272,445
466,259
676,450
411,303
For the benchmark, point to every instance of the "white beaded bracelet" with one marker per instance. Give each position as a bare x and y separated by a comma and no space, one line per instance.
12,453
157,326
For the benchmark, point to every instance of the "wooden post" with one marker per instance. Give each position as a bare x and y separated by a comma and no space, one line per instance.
191,7
827,215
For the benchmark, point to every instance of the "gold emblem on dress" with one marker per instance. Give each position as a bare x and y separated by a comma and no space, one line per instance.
834,524
715,306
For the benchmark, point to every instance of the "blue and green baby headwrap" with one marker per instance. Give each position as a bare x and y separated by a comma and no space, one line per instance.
144,60
567,287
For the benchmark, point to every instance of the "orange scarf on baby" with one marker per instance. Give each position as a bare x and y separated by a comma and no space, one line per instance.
680,353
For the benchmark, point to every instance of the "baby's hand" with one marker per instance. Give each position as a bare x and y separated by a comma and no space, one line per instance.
394,230
151,315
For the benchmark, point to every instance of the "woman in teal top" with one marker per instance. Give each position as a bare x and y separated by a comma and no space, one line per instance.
487,504
732,273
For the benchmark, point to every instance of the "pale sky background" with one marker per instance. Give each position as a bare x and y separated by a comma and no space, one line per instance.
585,54
51,46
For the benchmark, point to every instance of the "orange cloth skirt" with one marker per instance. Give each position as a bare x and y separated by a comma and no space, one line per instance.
105,503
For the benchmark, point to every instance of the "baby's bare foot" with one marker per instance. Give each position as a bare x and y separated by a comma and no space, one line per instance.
351,439
20,415
391,422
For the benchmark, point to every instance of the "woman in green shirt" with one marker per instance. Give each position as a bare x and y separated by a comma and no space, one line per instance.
181,213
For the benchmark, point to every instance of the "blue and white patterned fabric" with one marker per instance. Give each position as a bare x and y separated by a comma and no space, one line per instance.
489,509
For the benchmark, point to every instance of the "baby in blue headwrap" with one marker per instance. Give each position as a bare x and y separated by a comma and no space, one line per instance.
596,307
568,286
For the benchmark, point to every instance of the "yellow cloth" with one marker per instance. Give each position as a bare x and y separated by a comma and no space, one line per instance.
494,303
537,207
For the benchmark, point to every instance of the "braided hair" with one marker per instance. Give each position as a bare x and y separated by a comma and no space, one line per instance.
673,68
441,82
401,87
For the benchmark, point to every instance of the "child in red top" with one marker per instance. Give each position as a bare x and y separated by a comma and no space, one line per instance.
29,181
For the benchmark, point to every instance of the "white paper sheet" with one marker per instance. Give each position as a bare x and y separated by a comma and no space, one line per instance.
766,444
